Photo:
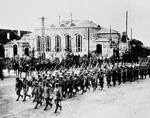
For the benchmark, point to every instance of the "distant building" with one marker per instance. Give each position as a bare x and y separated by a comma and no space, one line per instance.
73,36
8,35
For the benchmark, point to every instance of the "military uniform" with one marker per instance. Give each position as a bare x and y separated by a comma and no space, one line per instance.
18,88
101,78
108,77
58,97
48,94
25,86
114,76
38,95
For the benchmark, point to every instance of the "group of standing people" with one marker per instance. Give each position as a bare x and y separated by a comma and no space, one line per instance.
41,90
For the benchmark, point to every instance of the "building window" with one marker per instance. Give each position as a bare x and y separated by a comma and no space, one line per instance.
48,43
78,43
57,43
38,43
68,42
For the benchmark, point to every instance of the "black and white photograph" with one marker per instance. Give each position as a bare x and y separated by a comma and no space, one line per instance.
74,59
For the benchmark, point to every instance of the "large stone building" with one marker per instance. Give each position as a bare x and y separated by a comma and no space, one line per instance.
80,37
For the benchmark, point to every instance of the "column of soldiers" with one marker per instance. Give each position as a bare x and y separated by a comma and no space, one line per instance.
50,85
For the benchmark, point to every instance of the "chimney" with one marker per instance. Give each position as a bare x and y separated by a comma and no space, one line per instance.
18,32
8,35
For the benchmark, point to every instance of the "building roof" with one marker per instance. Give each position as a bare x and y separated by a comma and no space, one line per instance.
105,30
102,40
7,35
76,23
23,43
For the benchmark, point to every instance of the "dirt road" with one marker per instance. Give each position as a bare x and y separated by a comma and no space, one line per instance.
130,100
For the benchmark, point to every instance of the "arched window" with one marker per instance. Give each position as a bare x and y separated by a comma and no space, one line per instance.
68,42
48,43
57,43
38,38
78,43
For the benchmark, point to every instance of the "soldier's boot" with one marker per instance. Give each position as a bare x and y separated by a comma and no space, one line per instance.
56,108
40,103
24,98
60,107
36,105
46,106
51,105
21,96
18,98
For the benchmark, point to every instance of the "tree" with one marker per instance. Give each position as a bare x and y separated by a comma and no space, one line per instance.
137,50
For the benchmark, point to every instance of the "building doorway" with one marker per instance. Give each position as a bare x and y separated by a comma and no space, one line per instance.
15,50
2,51
99,48
26,51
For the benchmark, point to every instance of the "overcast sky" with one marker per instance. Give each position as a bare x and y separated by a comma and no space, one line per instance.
25,14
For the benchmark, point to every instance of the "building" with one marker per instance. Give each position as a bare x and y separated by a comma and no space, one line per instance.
79,37
8,35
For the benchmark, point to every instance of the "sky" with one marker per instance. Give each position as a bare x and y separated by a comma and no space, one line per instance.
25,14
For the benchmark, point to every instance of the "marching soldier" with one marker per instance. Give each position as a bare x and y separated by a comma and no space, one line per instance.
108,77
101,78
1,70
136,73
141,72
124,75
48,94
94,82
18,88
58,97
119,75
130,74
145,71
114,76
25,86
32,82
38,94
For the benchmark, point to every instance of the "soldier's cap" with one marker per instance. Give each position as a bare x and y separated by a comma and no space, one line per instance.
57,84
60,76
50,84
36,82
53,75
48,79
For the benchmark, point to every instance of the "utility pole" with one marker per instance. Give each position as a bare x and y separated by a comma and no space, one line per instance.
43,35
127,30
130,47
110,32
88,45
71,17
126,22
131,34
59,19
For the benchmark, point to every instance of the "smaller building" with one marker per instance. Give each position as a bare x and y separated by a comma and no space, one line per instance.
17,48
